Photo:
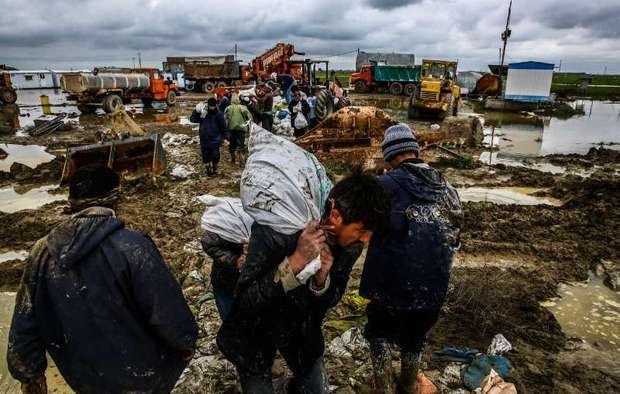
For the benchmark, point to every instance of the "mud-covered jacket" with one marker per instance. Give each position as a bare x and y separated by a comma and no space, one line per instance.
271,310
409,267
101,301
224,272
212,128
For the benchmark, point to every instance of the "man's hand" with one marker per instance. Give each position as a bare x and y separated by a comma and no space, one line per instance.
39,386
327,260
309,245
241,260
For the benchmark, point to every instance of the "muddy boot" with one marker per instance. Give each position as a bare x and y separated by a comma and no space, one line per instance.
383,374
409,367
209,169
214,171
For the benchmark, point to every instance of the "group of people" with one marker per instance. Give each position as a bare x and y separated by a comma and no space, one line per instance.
102,302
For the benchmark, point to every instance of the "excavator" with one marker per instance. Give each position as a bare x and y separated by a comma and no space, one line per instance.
126,148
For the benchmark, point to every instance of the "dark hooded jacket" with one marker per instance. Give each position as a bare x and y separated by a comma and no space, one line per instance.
101,301
212,130
264,317
409,267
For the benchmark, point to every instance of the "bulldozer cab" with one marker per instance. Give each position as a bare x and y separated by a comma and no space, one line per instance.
438,69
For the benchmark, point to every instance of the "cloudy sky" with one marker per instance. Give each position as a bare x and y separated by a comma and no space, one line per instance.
86,33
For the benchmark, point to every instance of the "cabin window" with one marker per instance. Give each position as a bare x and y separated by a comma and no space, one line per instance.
42,76
28,77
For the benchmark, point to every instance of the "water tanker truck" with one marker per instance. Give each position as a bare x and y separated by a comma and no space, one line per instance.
113,89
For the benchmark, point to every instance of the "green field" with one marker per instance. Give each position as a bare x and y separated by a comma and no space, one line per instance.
569,84
342,75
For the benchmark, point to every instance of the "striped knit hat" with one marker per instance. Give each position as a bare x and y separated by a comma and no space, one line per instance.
398,139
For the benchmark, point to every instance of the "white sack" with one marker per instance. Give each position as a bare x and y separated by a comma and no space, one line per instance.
225,217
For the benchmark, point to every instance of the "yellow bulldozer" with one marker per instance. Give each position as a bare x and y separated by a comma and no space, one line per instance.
438,93
126,148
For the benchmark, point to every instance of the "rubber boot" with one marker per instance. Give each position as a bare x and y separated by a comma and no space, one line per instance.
214,172
383,373
409,367
209,168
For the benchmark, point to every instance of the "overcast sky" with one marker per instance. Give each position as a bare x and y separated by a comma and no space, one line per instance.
86,33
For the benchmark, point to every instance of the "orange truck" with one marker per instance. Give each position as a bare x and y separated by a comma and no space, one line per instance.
113,89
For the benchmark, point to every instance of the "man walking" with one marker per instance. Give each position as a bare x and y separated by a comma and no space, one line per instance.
238,118
273,311
212,131
406,272
101,301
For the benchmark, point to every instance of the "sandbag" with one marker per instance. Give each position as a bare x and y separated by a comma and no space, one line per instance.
225,217
282,186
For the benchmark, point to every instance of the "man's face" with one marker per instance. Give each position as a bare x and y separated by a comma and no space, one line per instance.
345,235
297,95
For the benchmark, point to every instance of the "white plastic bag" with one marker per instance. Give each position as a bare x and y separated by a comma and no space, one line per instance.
283,186
225,217
499,345
300,121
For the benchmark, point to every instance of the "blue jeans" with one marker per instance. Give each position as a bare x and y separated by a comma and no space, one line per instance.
223,301
313,381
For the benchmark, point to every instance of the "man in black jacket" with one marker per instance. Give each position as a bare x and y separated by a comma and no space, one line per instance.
406,272
272,311
101,301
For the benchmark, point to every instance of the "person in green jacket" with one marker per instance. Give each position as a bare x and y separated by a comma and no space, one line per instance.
237,118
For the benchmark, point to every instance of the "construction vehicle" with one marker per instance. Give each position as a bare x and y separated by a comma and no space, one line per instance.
113,89
437,94
277,60
126,149
7,92
381,77
210,73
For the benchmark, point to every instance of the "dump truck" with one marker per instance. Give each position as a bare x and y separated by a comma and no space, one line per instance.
113,89
126,149
7,92
437,94
213,72
380,77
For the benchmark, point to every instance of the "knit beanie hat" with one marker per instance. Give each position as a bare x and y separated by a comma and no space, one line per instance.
398,139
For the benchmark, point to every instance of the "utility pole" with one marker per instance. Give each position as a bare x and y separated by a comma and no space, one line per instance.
133,59
560,68
140,59
235,52
605,71
505,36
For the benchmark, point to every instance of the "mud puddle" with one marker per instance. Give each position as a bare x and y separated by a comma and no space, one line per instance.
55,381
30,155
13,201
13,255
590,311
506,195
499,157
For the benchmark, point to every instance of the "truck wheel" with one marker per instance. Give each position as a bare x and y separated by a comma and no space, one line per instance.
147,102
409,89
396,88
343,102
360,87
412,111
208,87
455,107
112,102
8,96
171,98
221,84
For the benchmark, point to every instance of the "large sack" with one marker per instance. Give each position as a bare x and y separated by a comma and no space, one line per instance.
283,186
225,217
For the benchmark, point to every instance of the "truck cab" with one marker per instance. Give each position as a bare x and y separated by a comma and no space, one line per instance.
361,80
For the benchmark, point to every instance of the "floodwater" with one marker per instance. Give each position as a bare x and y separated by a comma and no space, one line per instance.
55,381
30,155
12,200
522,136
506,195
590,311
13,255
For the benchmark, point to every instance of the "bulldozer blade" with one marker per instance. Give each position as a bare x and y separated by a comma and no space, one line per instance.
133,154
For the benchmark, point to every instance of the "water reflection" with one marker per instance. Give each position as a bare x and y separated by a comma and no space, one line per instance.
506,195
29,155
11,200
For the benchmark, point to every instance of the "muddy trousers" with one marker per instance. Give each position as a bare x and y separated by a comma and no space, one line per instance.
237,143
312,381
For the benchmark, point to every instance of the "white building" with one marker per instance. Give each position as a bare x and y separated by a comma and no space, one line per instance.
529,81
37,79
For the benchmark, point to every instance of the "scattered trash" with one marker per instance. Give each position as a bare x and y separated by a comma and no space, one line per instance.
499,345
350,344
425,385
451,375
182,171
196,275
609,271
494,384
482,366
171,139
465,355
205,298
435,127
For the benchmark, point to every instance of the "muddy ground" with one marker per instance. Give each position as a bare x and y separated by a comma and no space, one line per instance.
512,258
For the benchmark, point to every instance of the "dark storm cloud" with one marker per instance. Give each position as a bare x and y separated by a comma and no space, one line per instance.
390,4
38,32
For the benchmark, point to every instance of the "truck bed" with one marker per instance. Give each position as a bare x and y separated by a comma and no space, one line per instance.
387,73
